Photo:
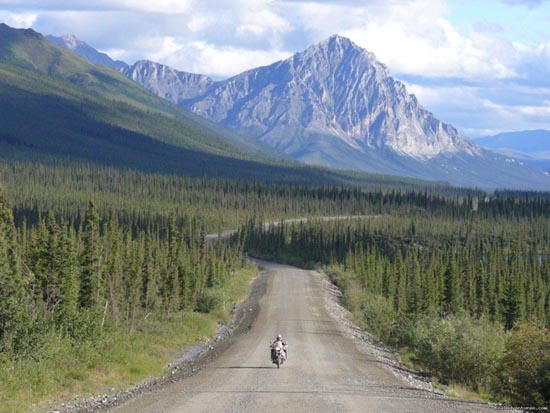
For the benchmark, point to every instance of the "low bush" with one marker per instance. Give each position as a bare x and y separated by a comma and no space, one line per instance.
459,348
380,318
208,301
524,375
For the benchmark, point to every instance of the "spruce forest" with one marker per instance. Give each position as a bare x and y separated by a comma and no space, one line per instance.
103,268
460,285
96,258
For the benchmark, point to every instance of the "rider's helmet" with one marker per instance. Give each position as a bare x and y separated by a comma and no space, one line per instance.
279,337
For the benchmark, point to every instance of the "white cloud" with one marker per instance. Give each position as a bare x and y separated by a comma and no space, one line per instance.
261,22
200,22
157,6
528,3
201,57
425,45
20,20
486,109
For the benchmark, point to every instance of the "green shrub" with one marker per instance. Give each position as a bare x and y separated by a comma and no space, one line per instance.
525,370
208,301
380,318
459,348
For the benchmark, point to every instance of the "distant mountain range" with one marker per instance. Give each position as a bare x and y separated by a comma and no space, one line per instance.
56,107
335,105
532,146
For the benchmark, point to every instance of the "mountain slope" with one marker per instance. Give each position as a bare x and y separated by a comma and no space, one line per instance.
33,66
335,105
531,147
529,141
89,53
56,107
171,84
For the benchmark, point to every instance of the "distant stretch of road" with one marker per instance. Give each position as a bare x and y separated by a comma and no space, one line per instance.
225,234
326,371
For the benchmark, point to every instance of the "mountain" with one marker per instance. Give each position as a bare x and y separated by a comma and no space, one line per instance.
334,89
92,55
171,84
56,108
335,105
55,104
531,147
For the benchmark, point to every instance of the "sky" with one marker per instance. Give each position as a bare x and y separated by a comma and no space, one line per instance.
480,65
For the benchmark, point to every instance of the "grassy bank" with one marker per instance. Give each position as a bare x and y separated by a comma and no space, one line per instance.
116,359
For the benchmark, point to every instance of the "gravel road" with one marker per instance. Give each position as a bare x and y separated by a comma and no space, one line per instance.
328,370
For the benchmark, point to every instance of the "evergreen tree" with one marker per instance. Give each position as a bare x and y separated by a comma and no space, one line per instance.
91,258
13,284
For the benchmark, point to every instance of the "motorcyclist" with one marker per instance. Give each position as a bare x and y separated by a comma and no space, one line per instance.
284,344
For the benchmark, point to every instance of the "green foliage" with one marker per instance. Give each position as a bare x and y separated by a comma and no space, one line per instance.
13,283
458,348
81,297
525,370
90,281
444,282
489,267
208,301
380,318
84,280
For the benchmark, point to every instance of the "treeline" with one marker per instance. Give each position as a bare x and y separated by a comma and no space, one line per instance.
499,269
79,281
140,200
460,292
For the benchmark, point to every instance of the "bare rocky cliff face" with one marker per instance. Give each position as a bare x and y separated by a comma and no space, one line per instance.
334,88
173,85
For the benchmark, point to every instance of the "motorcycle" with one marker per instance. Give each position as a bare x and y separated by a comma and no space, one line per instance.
277,354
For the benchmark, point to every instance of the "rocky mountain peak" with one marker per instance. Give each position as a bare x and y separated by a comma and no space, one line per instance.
173,85
339,52
336,90
71,41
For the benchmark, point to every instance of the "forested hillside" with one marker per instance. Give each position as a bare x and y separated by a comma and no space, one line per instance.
59,96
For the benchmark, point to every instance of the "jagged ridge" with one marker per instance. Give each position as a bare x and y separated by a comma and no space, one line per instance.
335,105
333,88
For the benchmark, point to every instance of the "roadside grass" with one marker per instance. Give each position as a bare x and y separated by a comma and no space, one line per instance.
116,360
459,391
407,358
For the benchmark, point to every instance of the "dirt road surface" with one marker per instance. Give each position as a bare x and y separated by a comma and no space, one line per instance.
327,371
